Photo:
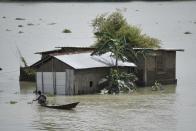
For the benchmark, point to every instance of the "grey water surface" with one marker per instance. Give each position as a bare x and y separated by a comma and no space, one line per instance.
41,26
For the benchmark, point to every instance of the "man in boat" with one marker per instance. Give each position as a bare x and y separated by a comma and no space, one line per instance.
41,98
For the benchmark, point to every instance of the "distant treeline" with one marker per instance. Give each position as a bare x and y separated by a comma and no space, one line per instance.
89,0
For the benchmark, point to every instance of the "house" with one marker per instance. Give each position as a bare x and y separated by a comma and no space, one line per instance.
74,73
73,67
157,65
27,73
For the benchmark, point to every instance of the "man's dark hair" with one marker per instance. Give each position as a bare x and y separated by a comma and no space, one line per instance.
39,92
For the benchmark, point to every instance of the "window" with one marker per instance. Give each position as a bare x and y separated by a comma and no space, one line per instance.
91,84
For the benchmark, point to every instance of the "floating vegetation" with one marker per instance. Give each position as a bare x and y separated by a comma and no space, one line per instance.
1,91
29,102
3,17
20,25
137,10
187,32
194,22
52,23
66,31
20,32
20,19
30,24
13,102
8,30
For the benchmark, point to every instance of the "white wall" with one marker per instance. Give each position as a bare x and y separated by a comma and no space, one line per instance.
61,83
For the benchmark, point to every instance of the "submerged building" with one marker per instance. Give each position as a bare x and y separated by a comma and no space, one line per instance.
72,70
157,65
75,73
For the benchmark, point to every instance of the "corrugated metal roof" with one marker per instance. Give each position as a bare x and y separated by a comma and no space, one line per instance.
74,49
67,50
159,49
85,60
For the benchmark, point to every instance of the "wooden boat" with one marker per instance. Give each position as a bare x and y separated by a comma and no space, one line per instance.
62,107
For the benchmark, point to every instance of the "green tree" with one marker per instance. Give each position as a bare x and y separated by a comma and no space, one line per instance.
119,80
116,25
115,46
115,35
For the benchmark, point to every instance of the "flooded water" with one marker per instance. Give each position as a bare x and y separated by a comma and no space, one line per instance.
171,109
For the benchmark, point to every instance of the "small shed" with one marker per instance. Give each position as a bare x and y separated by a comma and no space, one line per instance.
157,65
74,73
